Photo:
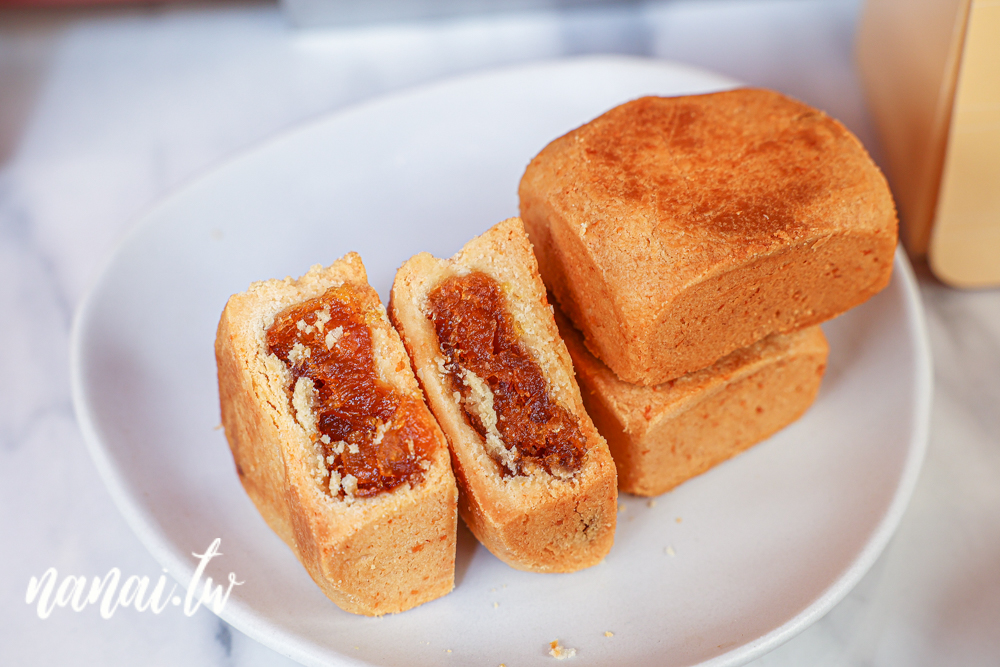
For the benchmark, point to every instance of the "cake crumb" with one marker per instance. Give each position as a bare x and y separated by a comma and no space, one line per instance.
609,634
322,317
303,400
334,483
651,503
679,519
333,337
380,430
559,652
298,353
671,552
320,473
622,507
350,485
496,604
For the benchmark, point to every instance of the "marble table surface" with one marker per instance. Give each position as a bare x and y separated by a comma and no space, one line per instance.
103,111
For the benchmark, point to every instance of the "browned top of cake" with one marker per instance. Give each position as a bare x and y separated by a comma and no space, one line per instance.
481,344
667,189
368,430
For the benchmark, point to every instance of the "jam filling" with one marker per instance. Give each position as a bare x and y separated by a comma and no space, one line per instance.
372,437
504,394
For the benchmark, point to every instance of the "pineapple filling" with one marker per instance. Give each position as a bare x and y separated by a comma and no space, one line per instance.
503,393
372,438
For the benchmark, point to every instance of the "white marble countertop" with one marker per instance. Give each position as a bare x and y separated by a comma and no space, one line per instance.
104,111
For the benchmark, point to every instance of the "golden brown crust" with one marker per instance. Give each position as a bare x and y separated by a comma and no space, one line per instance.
675,230
661,436
534,522
371,556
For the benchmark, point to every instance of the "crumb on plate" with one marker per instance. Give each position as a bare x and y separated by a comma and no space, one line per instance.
559,652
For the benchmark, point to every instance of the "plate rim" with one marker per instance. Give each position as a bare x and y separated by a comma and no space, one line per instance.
923,390
250,622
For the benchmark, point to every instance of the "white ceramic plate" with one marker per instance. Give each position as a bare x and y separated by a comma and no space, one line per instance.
719,571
